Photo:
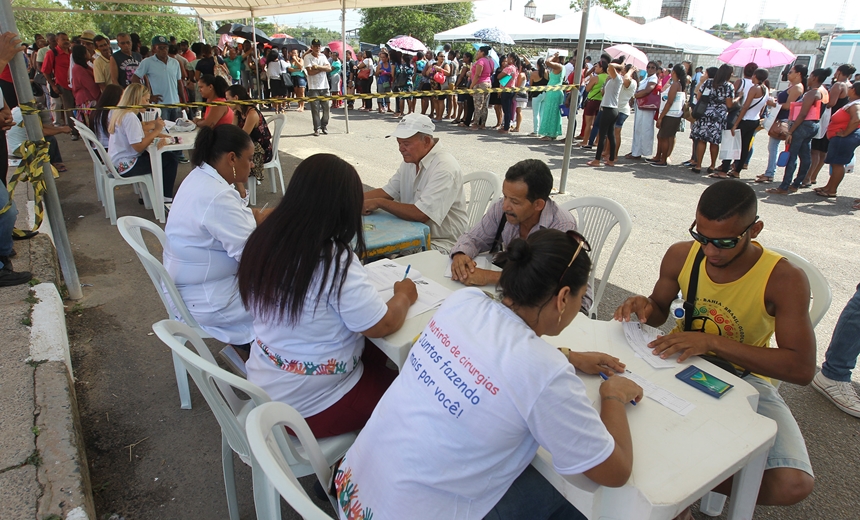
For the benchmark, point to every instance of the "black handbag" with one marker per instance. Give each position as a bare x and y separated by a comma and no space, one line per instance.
698,111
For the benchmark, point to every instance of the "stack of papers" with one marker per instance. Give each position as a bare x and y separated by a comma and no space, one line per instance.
639,336
661,395
384,273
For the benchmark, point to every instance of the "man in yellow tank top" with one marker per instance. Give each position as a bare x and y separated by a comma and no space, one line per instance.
744,295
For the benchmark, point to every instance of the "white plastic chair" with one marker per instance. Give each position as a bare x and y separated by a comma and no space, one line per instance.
219,389
595,218
712,503
274,164
131,229
484,188
264,427
112,178
98,166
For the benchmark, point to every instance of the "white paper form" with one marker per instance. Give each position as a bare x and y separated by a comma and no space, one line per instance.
384,273
661,395
481,262
638,337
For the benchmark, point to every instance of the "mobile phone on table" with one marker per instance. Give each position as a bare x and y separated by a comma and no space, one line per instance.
698,378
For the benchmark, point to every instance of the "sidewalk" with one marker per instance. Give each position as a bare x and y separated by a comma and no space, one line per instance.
43,470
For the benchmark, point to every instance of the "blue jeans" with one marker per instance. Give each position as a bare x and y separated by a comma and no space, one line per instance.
7,223
595,127
531,497
772,154
801,147
841,356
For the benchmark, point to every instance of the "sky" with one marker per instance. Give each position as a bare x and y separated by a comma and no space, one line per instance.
705,13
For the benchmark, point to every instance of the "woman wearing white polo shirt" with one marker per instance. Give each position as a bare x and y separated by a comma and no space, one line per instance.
206,233
313,304
454,434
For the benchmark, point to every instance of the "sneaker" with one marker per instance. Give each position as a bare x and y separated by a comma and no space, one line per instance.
324,131
316,133
76,137
8,277
840,393
183,160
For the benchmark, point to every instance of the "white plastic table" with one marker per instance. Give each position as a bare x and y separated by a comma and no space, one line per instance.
677,460
158,169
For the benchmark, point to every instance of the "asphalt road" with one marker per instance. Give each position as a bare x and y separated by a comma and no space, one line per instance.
150,460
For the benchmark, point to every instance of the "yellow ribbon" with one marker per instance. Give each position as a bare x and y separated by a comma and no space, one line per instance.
34,157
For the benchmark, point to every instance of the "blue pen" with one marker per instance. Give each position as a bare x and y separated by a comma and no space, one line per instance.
407,271
605,377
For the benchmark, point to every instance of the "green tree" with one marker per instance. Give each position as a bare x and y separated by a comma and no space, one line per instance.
32,22
419,21
307,34
183,28
810,35
618,6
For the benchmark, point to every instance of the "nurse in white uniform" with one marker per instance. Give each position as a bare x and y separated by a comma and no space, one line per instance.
206,233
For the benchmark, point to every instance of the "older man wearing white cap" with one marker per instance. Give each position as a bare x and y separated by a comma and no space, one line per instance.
427,187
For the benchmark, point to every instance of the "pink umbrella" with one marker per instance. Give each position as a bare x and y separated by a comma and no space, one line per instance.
337,47
632,55
764,52
406,44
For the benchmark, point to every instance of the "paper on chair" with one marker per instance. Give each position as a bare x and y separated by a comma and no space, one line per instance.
661,395
481,262
638,337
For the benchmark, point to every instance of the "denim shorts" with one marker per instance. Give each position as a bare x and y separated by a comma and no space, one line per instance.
300,81
620,121
789,448
841,149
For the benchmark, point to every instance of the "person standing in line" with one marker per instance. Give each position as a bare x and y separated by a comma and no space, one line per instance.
629,82
123,62
671,111
481,72
317,67
550,117
56,70
101,62
834,379
609,114
161,74
537,78
643,122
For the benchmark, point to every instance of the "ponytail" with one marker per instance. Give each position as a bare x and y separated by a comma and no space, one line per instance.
212,143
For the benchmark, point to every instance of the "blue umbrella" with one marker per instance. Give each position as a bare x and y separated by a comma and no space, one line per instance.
492,54
494,34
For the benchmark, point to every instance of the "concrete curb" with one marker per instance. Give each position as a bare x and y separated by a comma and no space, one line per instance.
43,468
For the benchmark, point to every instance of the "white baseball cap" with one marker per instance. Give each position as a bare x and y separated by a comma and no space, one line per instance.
413,124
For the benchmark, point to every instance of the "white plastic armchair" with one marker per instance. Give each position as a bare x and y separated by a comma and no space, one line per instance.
595,218
219,389
484,188
265,429
98,166
131,229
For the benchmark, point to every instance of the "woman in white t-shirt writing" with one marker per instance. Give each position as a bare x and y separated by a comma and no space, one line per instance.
313,304
130,138
454,434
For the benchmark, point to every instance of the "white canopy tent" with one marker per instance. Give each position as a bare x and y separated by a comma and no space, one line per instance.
603,25
507,21
227,9
675,33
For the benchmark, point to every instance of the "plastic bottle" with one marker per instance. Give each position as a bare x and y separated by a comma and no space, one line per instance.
677,308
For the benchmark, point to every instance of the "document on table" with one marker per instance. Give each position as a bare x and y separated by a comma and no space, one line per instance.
639,336
481,262
661,395
384,273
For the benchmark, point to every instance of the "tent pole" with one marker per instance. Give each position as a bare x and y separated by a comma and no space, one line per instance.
574,97
200,28
256,56
33,124
343,64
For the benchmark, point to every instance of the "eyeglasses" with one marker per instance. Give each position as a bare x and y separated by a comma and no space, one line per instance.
719,243
582,244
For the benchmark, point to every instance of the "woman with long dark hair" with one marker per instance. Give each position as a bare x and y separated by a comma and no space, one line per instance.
709,128
797,76
504,390
805,115
669,121
608,114
509,75
99,120
538,78
206,232
249,118
313,305
844,135
214,88
84,86
365,83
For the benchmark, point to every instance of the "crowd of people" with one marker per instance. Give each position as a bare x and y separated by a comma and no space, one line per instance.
285,288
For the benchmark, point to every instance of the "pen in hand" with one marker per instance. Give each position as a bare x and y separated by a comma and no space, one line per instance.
407,271
605,378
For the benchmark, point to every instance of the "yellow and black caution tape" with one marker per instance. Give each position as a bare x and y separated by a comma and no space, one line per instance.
337,97
34,157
